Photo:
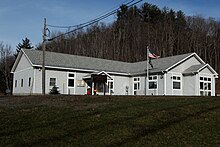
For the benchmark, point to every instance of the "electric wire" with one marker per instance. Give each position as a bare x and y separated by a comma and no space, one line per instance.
81,26
105,14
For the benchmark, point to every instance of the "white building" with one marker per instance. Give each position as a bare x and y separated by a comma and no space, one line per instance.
185,74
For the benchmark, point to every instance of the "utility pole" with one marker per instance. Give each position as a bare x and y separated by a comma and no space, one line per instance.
43,63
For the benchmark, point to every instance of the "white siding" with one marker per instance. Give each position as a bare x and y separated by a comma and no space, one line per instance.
26,89
38,81
161,84
206,71
23,64
61,81
24,70
79,89
142,86
169,84
120,84
189,85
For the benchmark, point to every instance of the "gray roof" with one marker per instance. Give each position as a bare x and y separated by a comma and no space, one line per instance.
160,64
193,68
88,63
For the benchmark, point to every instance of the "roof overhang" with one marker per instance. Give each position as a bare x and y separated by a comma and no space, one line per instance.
210,68
80,70
89,76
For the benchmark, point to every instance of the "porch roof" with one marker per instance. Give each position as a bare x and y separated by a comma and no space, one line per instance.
194,69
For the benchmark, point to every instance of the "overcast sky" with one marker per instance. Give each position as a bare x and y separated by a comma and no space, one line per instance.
24,18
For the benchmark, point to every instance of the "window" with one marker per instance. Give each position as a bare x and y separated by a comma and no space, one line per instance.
52,81
71,75
153,82
29,82
16,83
176,82
110,85
176,85
209,86
71,80
153,85
136,85
205,86
22,82
201,85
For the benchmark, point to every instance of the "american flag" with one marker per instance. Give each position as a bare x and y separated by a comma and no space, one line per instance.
152,55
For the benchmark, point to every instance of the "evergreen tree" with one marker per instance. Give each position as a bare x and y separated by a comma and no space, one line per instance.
25,44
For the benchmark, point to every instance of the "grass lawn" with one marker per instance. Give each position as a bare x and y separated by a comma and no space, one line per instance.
109,121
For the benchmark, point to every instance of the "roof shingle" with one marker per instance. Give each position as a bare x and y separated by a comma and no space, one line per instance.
81,62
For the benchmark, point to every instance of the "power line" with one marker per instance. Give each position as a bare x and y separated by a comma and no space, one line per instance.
81,26
105,13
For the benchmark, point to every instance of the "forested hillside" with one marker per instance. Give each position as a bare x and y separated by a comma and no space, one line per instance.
164,30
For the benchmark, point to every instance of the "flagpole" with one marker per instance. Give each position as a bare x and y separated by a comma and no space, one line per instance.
147,72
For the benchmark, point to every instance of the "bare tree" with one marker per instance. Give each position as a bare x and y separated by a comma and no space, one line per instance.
6,62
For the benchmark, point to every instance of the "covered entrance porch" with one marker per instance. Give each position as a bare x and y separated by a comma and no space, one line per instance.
99,83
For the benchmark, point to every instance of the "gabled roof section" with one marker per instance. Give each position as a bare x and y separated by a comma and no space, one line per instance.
184,59
194,69
210,68
20,54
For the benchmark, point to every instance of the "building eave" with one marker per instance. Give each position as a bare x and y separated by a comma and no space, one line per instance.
210,68
80,70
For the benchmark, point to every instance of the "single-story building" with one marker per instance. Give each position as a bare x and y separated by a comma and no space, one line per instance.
185,74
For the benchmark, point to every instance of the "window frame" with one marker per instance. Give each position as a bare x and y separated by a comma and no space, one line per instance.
153,79
71,76
29,81
55,81
177,79
110,86
205,85
136,81
22,82
16,83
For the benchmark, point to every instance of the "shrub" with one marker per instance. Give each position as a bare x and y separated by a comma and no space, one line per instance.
54,90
